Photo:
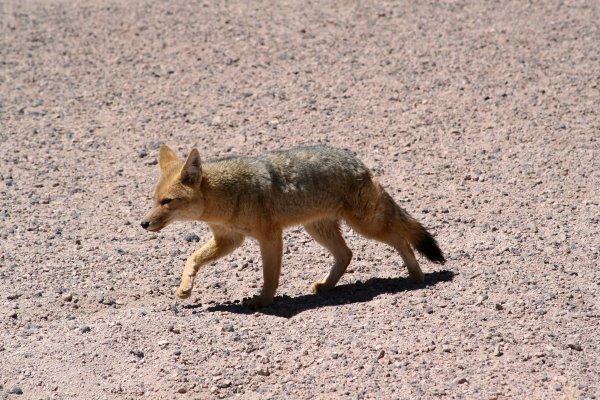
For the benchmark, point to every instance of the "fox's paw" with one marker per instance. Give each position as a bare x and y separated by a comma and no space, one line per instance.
417,276
183,294
320,287
257,301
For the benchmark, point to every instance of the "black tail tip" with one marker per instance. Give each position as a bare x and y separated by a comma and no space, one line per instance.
428,246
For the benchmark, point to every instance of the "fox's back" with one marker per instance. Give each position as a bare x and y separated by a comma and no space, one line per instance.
295,180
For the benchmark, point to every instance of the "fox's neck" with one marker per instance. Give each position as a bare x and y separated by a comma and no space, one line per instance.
221,201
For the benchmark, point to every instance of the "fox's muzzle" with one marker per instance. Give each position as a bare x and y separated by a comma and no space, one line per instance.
156,219
153,226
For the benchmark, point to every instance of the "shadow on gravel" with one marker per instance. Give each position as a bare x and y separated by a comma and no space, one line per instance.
358,292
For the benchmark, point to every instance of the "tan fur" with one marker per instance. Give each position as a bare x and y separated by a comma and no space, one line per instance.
261,196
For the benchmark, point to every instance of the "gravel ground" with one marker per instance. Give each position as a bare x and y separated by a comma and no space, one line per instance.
481,118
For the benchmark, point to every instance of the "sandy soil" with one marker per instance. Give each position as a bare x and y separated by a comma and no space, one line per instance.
482,118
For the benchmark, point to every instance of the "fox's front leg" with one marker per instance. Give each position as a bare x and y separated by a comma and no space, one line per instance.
218,246
271,250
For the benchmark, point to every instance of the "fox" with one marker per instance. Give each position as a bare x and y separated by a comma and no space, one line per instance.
317,187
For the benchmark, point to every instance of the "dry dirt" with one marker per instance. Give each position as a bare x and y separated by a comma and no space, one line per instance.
481,118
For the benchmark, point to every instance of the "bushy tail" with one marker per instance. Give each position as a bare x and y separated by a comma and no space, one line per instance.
426,244
421,239
412,230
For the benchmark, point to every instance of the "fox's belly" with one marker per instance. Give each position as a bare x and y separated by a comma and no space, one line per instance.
300,208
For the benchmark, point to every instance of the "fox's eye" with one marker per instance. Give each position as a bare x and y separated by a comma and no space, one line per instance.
165,201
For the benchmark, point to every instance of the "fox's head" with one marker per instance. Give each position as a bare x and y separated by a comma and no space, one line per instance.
177,196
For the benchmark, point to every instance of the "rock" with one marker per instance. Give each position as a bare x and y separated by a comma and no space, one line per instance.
192,237
498,350
481,299
108,302
182,390
163,343
499,307
137,353
224,384
67,297
85,329
263,371
16,390
575,346
227,328
460,381
556,385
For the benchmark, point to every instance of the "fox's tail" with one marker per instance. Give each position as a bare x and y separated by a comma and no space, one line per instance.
426,244
422,240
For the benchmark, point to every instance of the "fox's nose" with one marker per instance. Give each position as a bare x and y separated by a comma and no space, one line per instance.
145,224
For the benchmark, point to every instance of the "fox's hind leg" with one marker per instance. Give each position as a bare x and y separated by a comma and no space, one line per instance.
327,233
383,220
408,256
221,244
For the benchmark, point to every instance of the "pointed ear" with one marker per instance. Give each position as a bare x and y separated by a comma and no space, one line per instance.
191,173
166,156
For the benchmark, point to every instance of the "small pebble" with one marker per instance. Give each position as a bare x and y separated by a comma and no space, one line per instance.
263,371
574,346
67,297
224,384
16,390
85,329
192,237
137,353
498,350
481,299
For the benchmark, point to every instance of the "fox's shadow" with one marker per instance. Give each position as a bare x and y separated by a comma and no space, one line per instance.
358,292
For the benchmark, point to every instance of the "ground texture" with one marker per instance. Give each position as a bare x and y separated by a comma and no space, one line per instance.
481,118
